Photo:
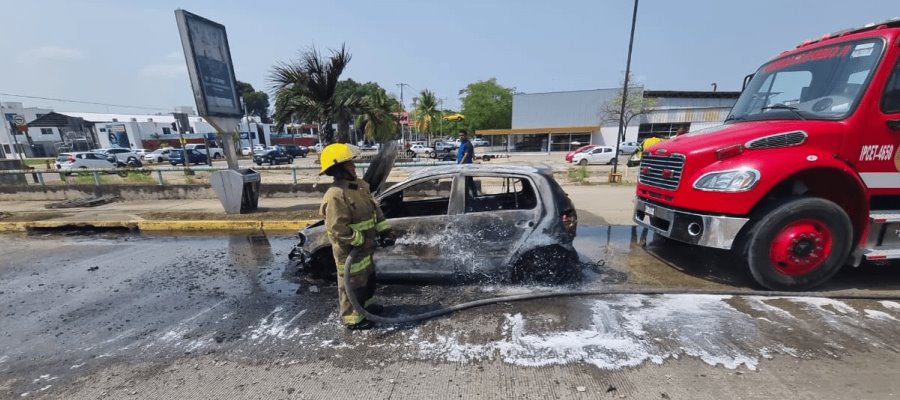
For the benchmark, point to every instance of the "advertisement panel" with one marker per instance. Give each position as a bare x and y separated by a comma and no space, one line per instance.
209,64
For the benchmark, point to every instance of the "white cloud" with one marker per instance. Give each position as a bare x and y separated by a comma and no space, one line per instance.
165,71
48,53
175,55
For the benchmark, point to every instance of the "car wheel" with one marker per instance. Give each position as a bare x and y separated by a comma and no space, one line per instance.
550,264
583,162
159,160
259,163
621,152
216,156
485,158
798,244
614,160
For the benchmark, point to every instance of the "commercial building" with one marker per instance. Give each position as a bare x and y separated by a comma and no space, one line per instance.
50,133
562,121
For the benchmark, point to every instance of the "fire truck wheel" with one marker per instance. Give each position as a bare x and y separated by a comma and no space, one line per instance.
799,243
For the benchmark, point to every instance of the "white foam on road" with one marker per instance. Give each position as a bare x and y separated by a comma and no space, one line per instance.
626,331
621,334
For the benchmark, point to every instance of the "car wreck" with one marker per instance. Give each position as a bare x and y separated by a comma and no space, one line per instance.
463,223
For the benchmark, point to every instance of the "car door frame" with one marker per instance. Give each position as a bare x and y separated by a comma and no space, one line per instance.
495,255
418,236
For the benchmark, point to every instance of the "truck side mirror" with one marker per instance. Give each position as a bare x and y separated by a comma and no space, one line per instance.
747,80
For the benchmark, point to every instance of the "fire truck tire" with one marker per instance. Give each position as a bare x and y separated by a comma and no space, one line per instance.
799,243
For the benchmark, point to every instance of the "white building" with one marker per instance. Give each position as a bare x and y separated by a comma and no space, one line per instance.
38,136
54,132
562,121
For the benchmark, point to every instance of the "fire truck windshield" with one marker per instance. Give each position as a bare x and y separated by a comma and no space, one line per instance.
825,82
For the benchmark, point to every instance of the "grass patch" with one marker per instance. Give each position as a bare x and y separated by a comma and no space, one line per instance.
578,174
87,178
38,162
139,178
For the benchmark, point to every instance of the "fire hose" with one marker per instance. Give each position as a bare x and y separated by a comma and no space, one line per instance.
590,292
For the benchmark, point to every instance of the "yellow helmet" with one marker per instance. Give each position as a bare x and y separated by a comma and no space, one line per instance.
335,154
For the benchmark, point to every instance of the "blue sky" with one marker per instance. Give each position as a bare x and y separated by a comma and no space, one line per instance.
129,52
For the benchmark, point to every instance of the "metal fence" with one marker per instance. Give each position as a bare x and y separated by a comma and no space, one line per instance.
172,175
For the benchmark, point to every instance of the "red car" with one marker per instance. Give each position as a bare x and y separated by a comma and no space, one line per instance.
572,153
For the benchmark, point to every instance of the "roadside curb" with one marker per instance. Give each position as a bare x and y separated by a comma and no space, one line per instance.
160,226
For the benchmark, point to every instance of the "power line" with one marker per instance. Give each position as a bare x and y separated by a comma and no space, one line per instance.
84,102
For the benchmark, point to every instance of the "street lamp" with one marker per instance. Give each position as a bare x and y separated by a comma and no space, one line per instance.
625,89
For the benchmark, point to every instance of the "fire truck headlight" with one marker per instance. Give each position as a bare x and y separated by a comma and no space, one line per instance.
736,180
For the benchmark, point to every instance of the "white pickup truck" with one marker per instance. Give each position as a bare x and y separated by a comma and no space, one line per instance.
214,152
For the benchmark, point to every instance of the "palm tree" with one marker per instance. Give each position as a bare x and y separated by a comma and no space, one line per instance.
377,116
426,112
305,88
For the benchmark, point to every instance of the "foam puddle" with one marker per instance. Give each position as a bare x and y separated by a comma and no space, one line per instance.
626,331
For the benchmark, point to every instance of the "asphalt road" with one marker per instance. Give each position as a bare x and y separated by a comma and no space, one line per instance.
130,316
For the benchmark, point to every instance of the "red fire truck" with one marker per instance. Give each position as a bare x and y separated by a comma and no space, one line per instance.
804,175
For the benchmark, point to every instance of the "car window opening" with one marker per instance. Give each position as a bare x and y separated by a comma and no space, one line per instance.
431,197
484,194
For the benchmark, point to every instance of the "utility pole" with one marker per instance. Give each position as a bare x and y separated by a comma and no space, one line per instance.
625,89
402,110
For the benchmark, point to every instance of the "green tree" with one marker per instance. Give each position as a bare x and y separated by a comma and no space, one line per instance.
257,102
351,97
305,90
378,116
487,105
426,115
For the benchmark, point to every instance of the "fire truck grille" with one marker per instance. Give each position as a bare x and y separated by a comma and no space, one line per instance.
661,171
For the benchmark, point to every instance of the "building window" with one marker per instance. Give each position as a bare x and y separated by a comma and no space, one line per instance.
660,130
6,149
102,129
46,131
569,141
167,131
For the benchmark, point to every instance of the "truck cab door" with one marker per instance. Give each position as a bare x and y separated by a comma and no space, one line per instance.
879,156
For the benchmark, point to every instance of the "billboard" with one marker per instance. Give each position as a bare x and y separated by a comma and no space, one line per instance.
209,65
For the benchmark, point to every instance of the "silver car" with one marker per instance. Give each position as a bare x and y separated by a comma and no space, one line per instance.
463,222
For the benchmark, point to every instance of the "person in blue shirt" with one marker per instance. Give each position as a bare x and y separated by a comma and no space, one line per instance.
466,151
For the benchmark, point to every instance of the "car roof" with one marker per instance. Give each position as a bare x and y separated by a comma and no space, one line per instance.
506,168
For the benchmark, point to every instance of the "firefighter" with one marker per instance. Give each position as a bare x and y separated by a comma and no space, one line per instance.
352,219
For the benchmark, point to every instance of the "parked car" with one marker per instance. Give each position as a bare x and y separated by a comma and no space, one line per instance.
125,157
158,155
597,155
479,142
294,150
176,156
68,162
464,222
214,152
246,151
273,157
141,152
421,149
628,147
572,153
442,146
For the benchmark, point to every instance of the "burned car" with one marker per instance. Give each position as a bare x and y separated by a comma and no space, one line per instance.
465,222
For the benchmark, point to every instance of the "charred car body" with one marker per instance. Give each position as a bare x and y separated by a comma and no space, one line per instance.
465,222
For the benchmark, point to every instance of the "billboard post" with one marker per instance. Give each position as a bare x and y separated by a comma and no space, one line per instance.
214,85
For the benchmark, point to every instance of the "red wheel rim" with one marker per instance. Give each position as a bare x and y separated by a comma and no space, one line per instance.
801,246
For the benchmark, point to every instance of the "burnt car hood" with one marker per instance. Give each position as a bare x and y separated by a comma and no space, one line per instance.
380,166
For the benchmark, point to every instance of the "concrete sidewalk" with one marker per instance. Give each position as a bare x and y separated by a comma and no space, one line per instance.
596,205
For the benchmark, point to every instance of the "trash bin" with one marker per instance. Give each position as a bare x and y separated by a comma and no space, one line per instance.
238,190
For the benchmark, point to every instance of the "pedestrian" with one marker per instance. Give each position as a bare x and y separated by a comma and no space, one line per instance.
466,151
353,219
681,131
